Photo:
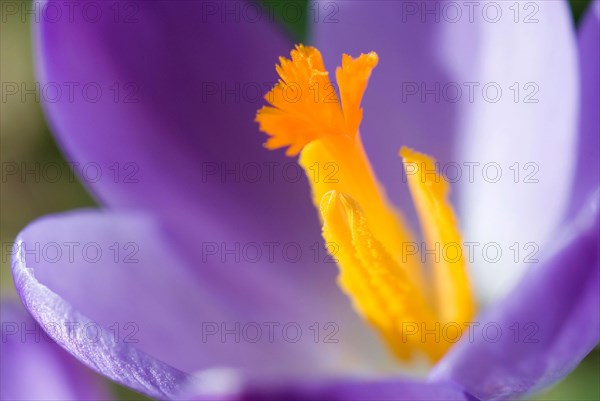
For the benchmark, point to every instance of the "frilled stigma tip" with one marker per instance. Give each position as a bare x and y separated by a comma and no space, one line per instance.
372,59
304,105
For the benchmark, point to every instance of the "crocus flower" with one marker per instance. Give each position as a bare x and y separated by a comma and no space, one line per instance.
35,368
176,302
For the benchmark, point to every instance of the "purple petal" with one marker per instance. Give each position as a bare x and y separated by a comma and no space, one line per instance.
35,368
542,330
427,92
525,143
106,348
191,158
158,310
173,130
588,156
342,390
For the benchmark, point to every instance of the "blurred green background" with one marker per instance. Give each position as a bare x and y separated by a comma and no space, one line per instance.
25,138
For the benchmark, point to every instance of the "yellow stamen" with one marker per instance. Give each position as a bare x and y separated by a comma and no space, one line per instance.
373,279
385,285
429,190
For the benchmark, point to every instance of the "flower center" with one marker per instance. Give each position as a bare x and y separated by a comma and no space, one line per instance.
380,269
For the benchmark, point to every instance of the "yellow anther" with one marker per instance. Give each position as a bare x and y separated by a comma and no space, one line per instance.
429,189
374,280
